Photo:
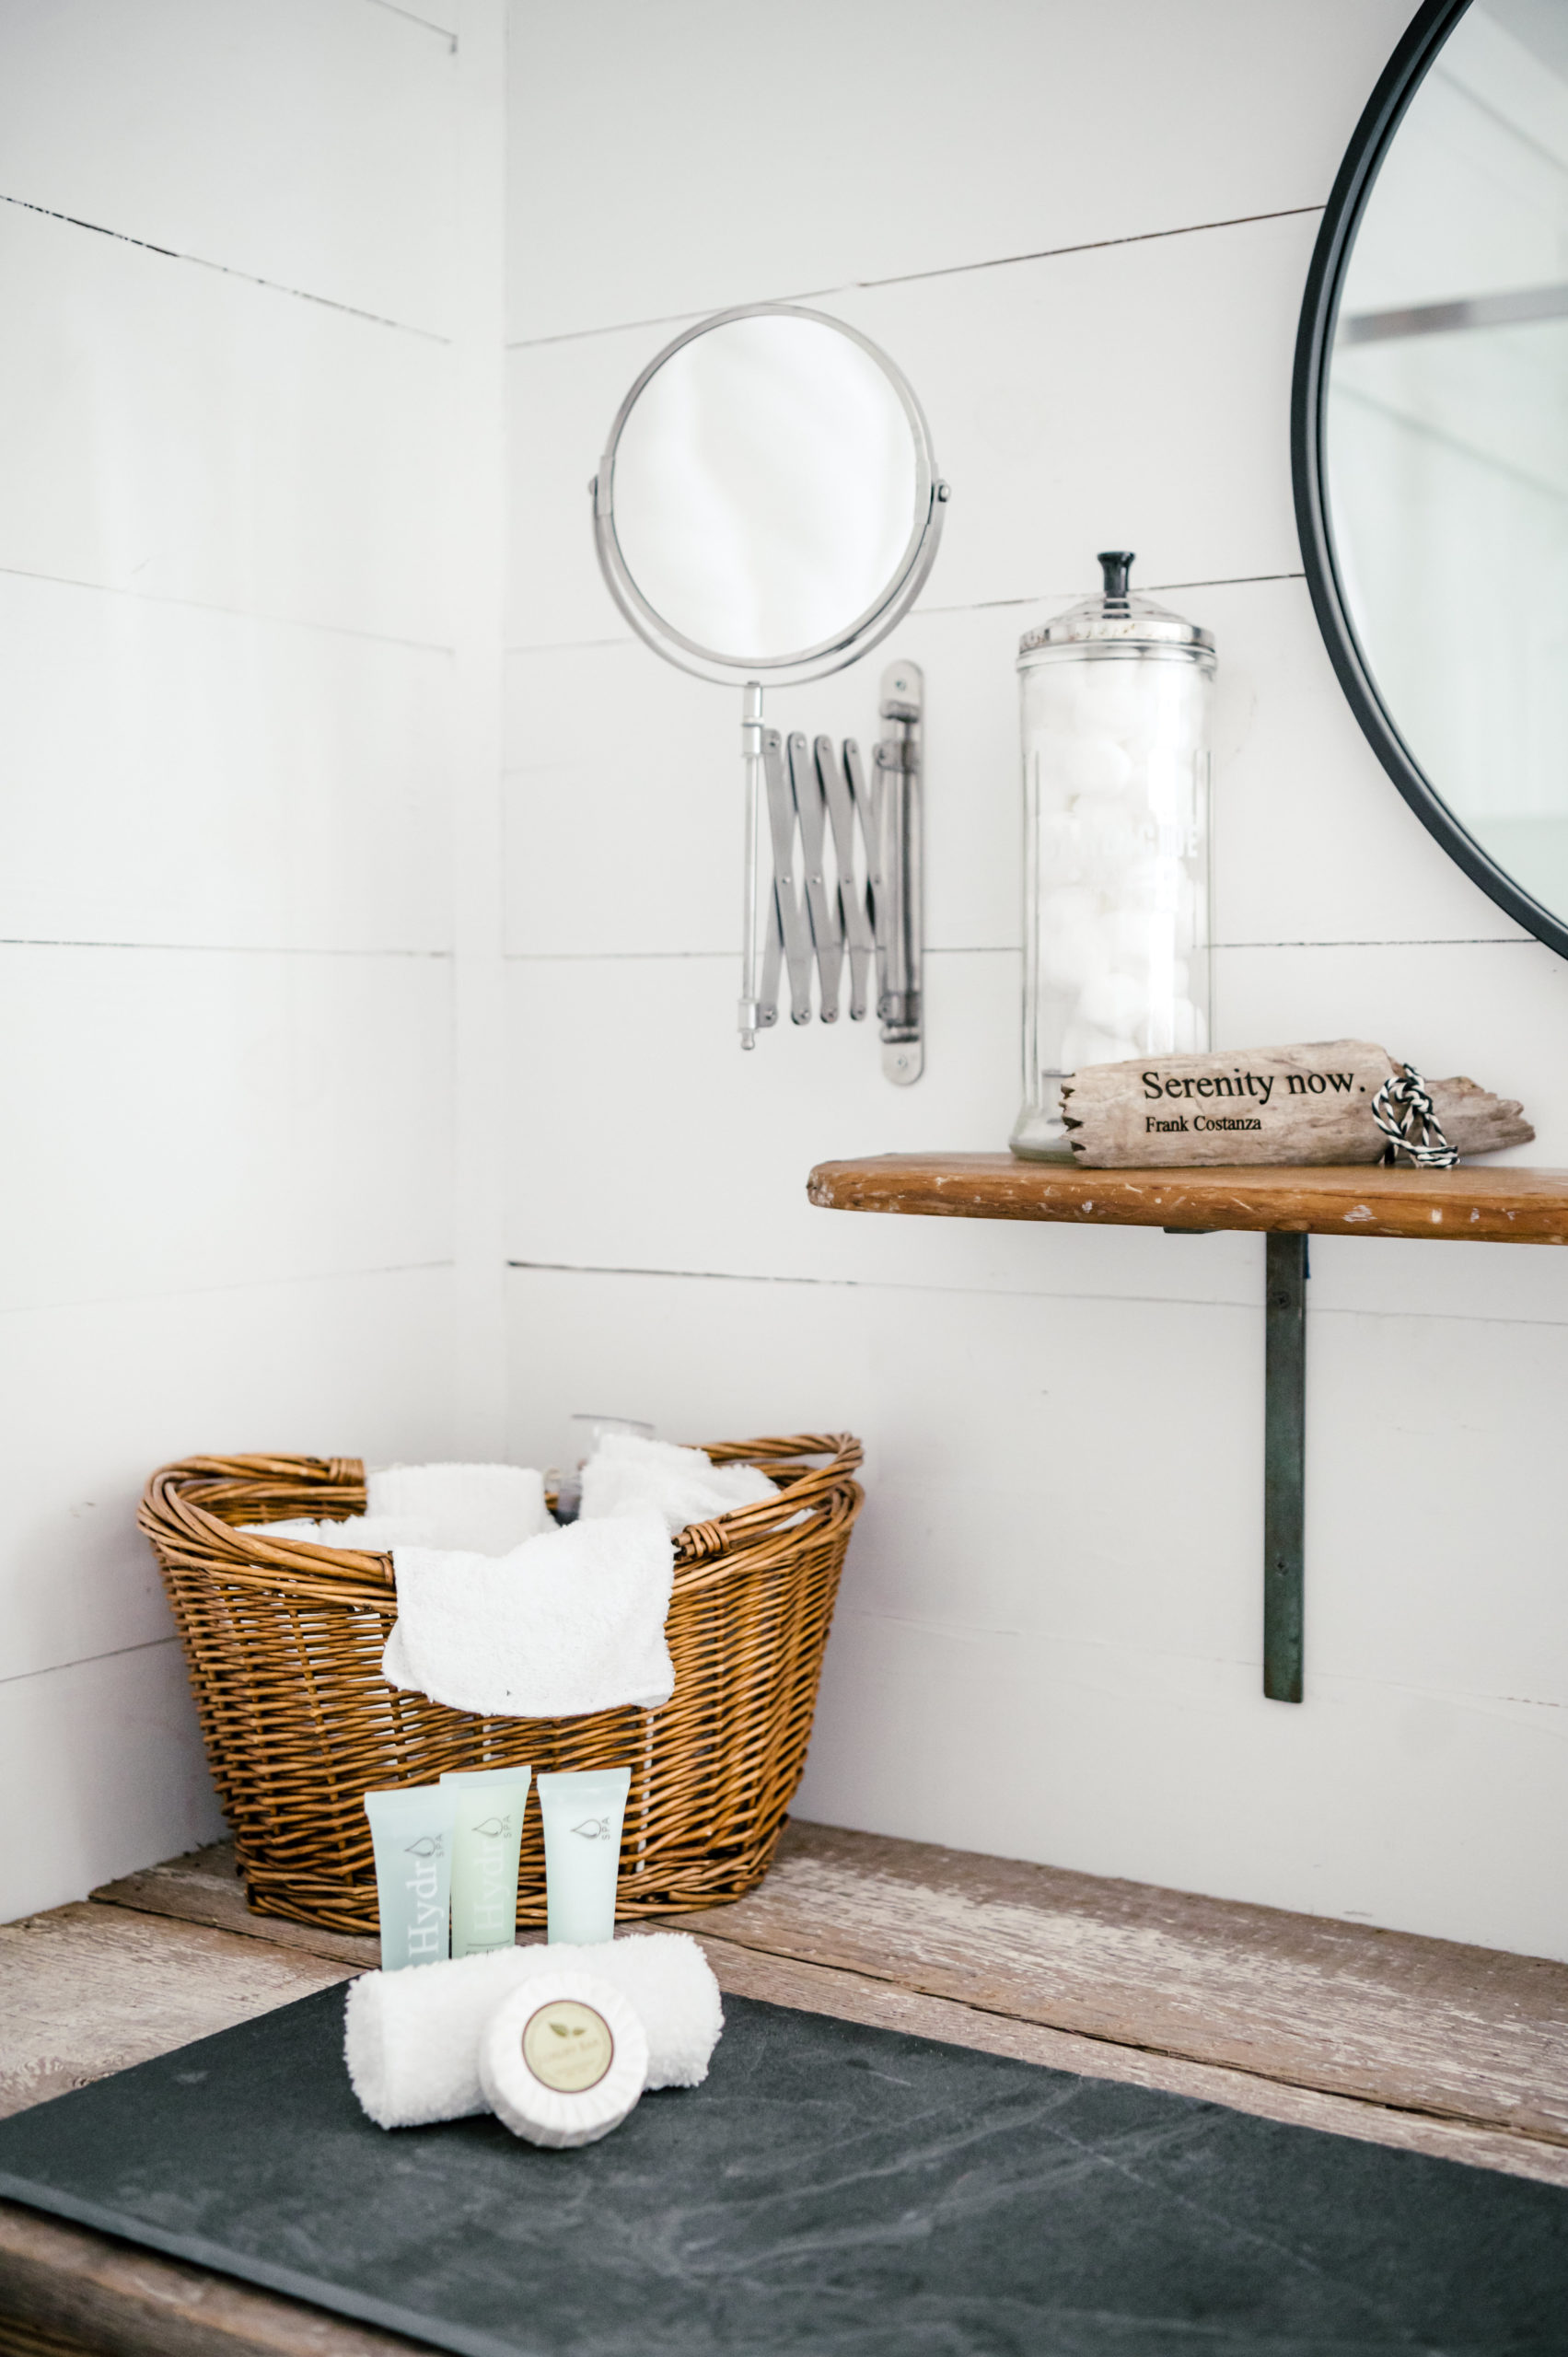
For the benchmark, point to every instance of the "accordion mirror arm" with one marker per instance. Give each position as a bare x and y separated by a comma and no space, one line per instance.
834,872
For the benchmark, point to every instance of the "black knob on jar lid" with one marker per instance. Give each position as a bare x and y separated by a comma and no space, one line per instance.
1115,564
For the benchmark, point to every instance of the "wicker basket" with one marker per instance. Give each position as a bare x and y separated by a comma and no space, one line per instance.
283,1642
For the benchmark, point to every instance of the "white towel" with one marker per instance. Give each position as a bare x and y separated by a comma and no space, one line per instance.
411,2038
570,1623
485,1509
627,1474
377,1533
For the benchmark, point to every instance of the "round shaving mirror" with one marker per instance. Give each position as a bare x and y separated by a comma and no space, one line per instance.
767,507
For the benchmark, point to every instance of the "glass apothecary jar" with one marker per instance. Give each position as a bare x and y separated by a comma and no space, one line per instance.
1115,697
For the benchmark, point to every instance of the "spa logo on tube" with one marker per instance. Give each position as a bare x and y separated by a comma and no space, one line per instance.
593,1829
495,1904
427,1931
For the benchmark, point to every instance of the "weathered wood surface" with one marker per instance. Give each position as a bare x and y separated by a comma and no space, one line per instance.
1459,2052
93,2292
1466,1205
1309,1104
1381,2017
1419,2025
852,1997
203,1887
86,1989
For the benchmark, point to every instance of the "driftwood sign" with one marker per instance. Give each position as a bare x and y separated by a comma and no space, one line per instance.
1303,1104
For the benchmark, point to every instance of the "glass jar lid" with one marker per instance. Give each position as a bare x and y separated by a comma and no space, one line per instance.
1118,616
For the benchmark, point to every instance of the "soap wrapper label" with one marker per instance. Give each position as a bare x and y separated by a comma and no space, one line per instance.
1304,1104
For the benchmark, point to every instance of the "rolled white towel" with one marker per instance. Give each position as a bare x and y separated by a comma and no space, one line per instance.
411,2038
626,1473
483,1509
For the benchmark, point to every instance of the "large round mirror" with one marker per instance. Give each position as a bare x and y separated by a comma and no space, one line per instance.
1431,438
767,506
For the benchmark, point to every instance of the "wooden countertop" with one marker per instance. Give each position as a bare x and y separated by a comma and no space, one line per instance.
1468,1204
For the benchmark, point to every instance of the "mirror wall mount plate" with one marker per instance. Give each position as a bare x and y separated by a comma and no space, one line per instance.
767,509
1430,439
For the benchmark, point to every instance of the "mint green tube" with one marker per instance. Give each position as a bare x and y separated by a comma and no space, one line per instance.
412,1830
583,1813
486,1834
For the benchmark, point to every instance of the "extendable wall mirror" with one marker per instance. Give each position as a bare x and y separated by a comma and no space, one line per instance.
766,511
1431,439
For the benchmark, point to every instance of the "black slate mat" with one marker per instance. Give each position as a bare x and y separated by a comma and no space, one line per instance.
831,2191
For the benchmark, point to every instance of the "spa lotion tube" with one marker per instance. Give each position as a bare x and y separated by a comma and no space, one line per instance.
583,1814
412,1831
487,1832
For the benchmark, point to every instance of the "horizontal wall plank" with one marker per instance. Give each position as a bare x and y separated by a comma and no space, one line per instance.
1495,1011
182,776
93,1397
204,1119
718,1134
1049,461
1308,829
724,1141
1219,110
310,143
108,1758
182,434
1050,1633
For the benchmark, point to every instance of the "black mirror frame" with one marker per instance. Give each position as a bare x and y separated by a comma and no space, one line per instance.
1425,37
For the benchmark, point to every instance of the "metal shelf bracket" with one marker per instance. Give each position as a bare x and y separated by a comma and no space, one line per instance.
1284,1463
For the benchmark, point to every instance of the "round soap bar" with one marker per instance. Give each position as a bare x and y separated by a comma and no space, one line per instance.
564,2060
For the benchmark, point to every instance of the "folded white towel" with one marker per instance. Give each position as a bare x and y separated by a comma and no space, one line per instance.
626,1474
485,1509
377,1533
570,1623
411,2038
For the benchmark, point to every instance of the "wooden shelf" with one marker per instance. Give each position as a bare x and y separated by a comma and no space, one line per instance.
1465,1205
1287,1204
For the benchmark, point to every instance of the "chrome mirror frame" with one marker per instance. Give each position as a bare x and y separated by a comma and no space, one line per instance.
1406,70
858,636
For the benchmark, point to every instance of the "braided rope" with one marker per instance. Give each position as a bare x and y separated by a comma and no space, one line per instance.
1413,1130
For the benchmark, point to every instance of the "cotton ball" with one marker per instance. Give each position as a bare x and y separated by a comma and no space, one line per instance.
1047,756
1128,935
1073,948
1087,1044
1116,1002
1110,837
1113,694
1178,1026
1072,961
1093,765
1068,907
1189,1029
1060,857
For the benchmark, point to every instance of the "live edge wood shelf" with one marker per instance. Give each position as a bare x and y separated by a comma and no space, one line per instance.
1286,1206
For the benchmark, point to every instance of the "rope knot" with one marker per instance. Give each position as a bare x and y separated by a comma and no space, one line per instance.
1403,1111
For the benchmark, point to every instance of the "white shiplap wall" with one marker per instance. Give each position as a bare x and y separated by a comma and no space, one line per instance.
249,669
1084,233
